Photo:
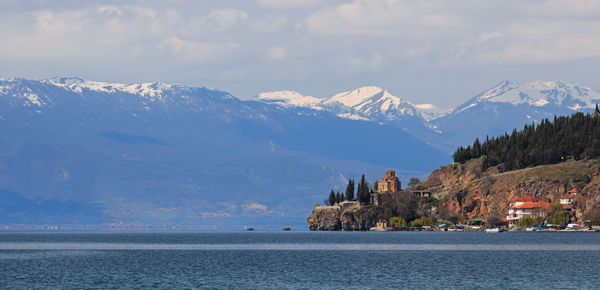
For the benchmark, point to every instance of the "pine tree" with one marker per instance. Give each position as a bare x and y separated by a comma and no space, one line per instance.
338,197
343,198
574,137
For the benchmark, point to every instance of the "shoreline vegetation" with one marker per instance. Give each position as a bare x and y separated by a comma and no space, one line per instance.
543,178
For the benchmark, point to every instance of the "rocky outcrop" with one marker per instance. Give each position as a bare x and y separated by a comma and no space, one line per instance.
347,217
470,190
325,218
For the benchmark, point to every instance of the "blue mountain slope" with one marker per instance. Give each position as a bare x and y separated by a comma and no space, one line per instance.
159,155
508,105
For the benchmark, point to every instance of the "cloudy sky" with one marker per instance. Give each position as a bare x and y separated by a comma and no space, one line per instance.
441,52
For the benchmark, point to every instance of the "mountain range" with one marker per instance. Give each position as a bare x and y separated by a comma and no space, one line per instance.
495,111
163,156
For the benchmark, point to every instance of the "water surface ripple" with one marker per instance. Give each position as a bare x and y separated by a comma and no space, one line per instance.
299,260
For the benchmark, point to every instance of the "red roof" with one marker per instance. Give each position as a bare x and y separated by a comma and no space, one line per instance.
538,204
525,199
573,190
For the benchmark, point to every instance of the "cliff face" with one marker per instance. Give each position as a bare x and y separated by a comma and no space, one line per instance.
468,189
471,190
348,217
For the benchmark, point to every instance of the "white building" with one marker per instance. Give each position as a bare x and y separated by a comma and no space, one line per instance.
526,206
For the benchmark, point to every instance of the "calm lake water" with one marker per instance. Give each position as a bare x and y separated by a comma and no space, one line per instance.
304,260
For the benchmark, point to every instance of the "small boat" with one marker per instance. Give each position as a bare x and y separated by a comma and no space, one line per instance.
492,231
249,229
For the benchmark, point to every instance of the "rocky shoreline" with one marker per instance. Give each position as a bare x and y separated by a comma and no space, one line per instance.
471,192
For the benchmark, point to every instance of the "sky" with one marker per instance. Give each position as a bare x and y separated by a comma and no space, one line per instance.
440,52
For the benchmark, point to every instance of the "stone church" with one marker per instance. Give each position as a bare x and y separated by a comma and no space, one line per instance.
389,183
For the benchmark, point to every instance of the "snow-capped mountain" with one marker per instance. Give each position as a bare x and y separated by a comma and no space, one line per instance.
368,103
536,94
502,108
84,151
510,105
196,154
373,103
290,99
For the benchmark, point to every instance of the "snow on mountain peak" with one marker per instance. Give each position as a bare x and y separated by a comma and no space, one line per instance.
151,91
369,103
537,94
355,97
290,98
65,80
430,111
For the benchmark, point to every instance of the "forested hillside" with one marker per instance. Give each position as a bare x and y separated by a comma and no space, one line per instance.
574,137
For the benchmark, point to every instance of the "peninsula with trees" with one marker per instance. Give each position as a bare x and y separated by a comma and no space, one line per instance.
543,175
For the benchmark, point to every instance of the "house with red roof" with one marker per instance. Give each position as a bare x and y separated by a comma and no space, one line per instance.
526,206
567,199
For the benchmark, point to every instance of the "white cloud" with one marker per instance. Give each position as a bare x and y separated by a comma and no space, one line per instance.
257,207
356,64
277,53
198,50
224,19
537,40
315,46
381,18
289,3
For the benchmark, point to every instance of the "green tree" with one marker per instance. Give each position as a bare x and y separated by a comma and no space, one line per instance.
397,222
526,221
423,221
567,137
338,197
331,198
363,191
558,216
413,182
350,190
343,198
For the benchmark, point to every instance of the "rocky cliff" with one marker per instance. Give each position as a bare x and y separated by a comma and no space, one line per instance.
349,216
472,190
475,191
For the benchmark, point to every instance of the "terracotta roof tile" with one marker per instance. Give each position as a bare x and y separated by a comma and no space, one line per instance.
525,199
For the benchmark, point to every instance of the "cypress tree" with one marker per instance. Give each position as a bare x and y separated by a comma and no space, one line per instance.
350,190
363,191
331,198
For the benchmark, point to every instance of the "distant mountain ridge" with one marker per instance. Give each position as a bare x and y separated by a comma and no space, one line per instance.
501,108
365,103
167,155
163,154
509,105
